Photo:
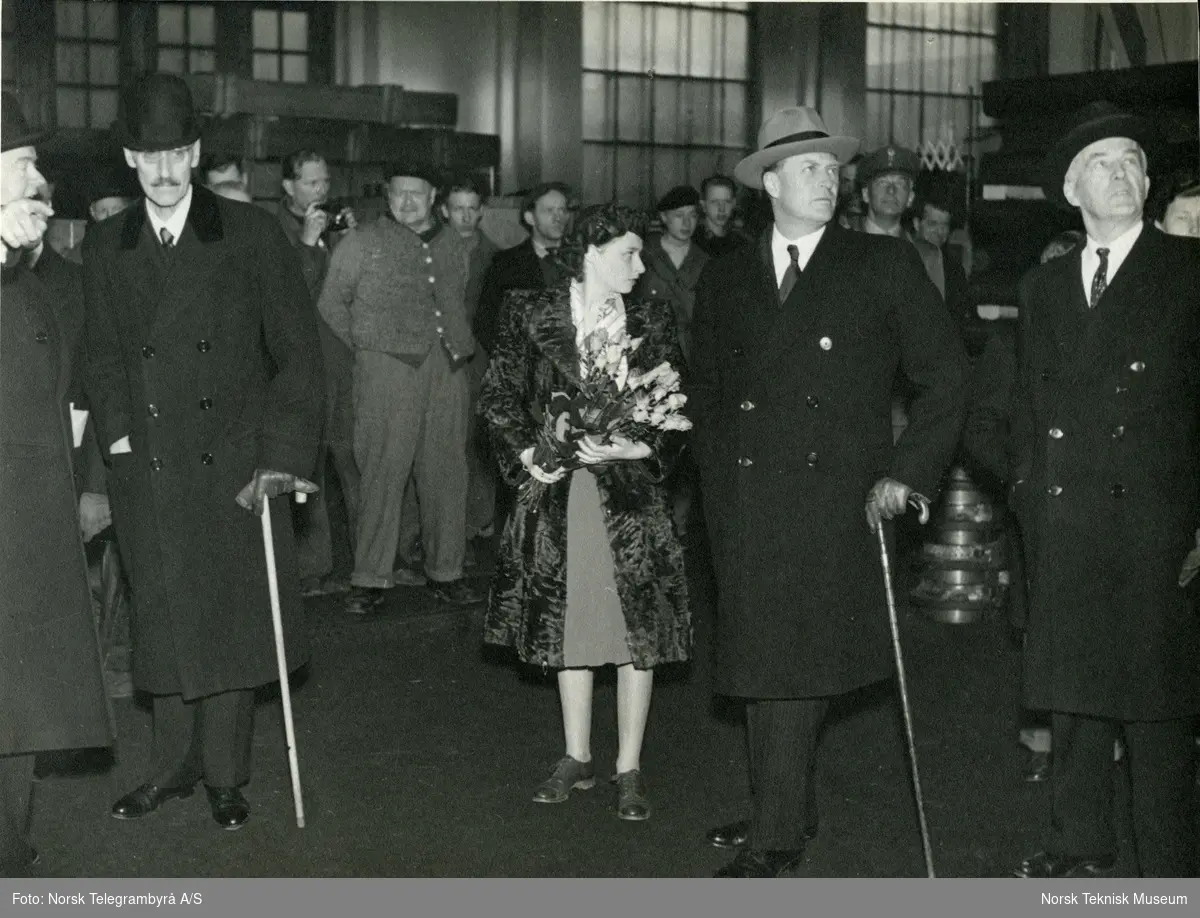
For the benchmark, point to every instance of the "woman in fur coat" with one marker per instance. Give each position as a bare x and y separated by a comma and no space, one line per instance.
590,572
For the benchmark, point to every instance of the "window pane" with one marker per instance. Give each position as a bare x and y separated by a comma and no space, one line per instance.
987,17
734,134
908,14
201,61
633,108
880,12
295,32
595,35
102,20
668,100
703,125
266,66
68,18
202,27
295,68
104,107
906,116
876,72
670,168
668,23
102,65
633,175
596,124
597,172
71,62
171,60
702,41
631,55
737,43
906,74
170,24
72,107
877,118
266,29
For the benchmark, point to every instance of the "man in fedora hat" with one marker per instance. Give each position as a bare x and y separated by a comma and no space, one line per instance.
51,690
205,380
1105,481
795,343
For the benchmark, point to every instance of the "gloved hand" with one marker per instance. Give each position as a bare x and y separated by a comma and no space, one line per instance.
94,514
266,484
1191,564
888,498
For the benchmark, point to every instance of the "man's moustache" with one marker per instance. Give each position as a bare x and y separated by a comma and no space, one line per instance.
164,184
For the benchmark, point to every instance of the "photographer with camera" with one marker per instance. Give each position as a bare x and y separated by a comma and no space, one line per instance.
315,226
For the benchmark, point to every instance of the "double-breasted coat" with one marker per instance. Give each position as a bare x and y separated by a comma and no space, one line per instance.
1106,482
534,357
792,406
207,357
51,691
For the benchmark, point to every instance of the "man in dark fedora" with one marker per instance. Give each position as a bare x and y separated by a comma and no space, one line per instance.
205,379
1105,481
796,341
51,690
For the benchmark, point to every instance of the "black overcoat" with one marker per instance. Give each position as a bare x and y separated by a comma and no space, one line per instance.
535,356
209,360
1106,482
51,690
792,406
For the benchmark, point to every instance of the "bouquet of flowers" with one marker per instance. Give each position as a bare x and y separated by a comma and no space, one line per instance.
611,400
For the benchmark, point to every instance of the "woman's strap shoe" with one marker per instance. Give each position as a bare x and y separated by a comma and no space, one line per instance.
632,801
569,774
144,800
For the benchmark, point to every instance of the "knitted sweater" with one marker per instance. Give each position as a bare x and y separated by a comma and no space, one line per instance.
389,291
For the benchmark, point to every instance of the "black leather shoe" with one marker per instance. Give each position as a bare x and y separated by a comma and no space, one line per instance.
633,802
456,592
364,602
1045,866
736,834
229,808
144,800
751,863
1038,769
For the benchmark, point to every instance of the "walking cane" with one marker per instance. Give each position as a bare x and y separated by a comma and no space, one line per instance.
281,657
921,504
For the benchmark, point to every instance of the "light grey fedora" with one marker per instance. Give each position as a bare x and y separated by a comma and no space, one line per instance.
793,130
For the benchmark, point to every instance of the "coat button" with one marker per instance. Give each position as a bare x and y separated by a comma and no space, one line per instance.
41,337
813,402
203,346
152,410
1054,490
737,352
811,459
1119,432
826,344
206,458
1056,433
745,462
1045,376
747,405
147,352
156,464
1118,490
1137,366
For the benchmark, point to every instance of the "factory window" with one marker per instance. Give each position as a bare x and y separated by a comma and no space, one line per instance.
87,68
926,66
280,45
665,95
187,38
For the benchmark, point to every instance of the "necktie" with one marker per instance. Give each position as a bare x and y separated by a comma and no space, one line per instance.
1099,279
791,275
165,235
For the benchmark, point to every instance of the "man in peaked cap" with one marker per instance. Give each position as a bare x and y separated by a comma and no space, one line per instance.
205,380
1105,481
51,691
795,342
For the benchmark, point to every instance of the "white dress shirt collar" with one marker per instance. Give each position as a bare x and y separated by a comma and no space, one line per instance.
779,250
1118,251
178,220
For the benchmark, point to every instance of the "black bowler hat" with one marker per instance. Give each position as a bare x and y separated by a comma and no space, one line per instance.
157,114
14,129
1093,122
679,196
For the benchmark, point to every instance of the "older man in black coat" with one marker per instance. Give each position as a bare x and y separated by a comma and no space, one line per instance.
51,691
205,378
1106,484
796,343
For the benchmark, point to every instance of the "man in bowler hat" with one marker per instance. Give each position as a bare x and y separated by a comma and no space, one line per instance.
1105,481
205,380
795,343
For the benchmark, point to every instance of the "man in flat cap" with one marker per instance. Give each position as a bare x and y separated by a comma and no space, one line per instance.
1105,480
795,343
204,374
51,690
394,295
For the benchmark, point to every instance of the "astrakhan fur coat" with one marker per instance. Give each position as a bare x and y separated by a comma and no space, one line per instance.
535,356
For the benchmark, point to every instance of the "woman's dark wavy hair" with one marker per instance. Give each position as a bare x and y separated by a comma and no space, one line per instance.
597,225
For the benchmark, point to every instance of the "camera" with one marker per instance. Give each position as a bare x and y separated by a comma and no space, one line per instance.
337,218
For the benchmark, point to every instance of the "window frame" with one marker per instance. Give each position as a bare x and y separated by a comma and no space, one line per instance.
87,42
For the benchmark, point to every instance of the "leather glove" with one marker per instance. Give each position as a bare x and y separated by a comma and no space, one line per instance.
94,514
266,484
888,498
